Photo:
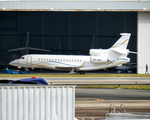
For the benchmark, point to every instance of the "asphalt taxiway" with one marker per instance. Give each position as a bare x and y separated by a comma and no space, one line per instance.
99,80
87,94
92,80
95,102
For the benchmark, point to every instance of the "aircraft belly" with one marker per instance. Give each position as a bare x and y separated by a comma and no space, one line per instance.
91,66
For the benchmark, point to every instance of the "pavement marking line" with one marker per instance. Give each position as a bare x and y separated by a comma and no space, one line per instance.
91,98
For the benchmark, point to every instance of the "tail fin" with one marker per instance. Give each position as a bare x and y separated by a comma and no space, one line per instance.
123,41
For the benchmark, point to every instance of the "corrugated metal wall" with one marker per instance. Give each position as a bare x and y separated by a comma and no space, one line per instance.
143,41
37,102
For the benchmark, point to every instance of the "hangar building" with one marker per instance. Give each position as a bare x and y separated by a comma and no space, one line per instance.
74,27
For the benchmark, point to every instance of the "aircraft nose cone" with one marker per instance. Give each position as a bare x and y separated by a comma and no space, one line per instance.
12,63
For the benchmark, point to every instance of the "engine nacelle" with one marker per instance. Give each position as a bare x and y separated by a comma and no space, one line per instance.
98,52
95,59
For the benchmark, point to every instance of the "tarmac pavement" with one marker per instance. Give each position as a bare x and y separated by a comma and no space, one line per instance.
98,109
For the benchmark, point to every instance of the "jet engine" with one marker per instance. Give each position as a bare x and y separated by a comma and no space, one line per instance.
99,60
98,52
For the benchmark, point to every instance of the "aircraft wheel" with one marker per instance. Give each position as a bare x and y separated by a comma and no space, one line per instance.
77,72
74,73
81,73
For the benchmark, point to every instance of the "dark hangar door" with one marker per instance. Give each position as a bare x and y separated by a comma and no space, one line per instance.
66,32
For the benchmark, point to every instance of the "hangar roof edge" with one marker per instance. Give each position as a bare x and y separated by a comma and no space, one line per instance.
74,6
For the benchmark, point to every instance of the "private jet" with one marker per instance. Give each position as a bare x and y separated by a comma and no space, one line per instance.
98,59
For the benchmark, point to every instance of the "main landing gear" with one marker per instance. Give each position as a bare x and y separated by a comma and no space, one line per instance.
77,72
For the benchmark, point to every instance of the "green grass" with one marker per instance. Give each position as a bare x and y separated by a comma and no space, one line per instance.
67,75
139,87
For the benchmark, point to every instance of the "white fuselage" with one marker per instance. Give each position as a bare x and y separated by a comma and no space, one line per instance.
60,62
98,59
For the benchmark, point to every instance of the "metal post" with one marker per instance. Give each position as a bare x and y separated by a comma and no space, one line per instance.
110,108
27,43
124,108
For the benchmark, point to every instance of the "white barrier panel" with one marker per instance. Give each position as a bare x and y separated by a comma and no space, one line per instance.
20,102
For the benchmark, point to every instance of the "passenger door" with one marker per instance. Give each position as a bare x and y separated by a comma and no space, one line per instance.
29,61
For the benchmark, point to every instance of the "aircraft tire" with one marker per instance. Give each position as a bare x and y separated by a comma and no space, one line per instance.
82,72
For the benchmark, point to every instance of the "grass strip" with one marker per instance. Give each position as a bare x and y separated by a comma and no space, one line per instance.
139,87
67,75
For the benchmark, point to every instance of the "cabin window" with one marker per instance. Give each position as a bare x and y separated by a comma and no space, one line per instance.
47,59
22,57
75,60
80,60
39,59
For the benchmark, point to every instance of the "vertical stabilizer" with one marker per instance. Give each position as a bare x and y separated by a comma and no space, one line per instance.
123,41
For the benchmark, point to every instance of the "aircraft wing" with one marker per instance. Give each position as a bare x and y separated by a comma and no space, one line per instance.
31,48
23,48
63,65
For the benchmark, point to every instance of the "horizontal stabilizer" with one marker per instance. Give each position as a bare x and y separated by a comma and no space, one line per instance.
133,52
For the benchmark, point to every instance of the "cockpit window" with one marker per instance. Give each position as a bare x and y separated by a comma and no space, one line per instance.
22,57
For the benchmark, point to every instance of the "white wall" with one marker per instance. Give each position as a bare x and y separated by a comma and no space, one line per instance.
143,41
37,102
